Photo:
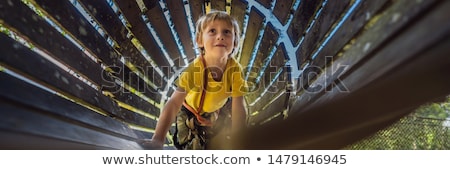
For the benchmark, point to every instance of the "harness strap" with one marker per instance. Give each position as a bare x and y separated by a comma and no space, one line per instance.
205,85
201,119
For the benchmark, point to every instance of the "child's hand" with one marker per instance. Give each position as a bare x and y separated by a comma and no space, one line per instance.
150,144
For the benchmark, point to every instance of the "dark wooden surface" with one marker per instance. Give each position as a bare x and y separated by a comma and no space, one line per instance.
283,9
218,5
21,58
266,3
140,31
122,73
268,42
179,18
350,27
159,23
362,48
110,22
255,24
40,113
302,18
384,86
317,32
46,37
238,11
197,9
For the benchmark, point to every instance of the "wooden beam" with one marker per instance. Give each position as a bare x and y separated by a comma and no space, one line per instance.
415,78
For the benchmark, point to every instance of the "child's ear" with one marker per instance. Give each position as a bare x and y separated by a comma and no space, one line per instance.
199,42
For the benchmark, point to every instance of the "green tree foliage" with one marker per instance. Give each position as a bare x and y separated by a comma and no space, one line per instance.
435,110
427,128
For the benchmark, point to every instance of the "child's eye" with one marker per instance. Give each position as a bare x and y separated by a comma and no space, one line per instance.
227,32
212,31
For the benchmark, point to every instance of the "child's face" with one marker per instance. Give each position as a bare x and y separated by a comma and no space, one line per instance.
217,38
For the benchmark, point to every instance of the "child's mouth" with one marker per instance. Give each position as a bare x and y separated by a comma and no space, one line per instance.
220,45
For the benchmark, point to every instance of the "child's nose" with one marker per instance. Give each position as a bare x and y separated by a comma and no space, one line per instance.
220,36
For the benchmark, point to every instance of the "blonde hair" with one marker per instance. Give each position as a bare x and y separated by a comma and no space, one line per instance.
204,20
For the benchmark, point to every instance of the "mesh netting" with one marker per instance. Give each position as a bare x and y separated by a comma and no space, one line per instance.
410,133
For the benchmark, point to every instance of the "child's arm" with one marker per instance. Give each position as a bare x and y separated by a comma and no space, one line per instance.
238,114
168,114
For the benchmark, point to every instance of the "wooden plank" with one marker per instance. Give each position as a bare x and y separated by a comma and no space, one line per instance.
378,61
17,16
421,77
238,11
382,104
329,16
22,58
25,120
114,27
197,9
148,135
21,141
123,94
354,23
95,43
136,102
22,94
256,90
279,59
110,22
181,25
85,35
79,27
277,62
91,96
283,9
270,109
302,18
374,38
140,31
265,3
133,118
350,27
255,24
218,5
266,96
267,44
266,90
155,16
280,82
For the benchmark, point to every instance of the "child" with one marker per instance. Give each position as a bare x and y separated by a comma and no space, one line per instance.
205,86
